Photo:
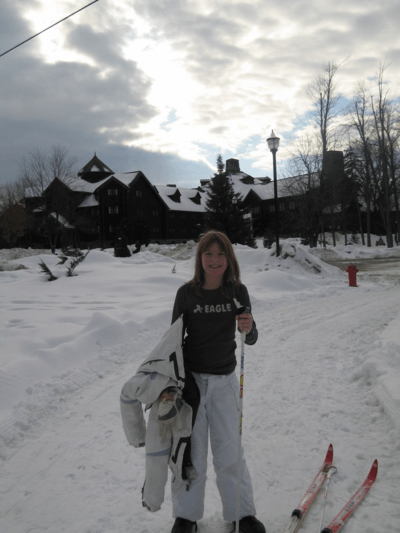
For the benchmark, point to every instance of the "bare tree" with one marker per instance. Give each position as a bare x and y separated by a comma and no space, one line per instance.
392,130
48,182
309,152
379,110
40,168
11,192
304,186
360,121
324,98
375,118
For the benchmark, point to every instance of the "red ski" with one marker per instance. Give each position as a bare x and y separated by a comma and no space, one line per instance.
354,501
299,513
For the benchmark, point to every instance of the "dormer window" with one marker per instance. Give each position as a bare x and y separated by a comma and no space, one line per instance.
196,199
248,180
176,197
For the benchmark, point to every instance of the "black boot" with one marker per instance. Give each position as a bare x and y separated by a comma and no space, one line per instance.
250,524
184,526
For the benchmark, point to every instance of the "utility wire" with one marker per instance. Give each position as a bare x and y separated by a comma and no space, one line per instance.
52,26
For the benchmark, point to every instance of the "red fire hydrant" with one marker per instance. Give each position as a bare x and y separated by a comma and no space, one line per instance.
352,272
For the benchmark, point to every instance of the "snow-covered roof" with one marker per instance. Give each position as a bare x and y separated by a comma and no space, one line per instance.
89,201
62,220
95,165
125,178
183,199
80,185
265,190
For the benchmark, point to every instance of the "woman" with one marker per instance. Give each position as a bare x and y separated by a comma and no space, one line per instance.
209,305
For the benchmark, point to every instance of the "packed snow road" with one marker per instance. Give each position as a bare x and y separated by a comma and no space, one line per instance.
319,374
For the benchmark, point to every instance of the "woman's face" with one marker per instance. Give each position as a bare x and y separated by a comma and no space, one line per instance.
214,263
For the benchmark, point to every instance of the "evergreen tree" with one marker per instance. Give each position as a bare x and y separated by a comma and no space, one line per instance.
220,165
224,211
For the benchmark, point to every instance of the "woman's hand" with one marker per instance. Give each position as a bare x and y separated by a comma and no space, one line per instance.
245,322
165,395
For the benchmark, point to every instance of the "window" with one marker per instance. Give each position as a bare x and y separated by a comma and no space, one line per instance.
112,228
112,192
113,210
95,211
139,193
292,205
281,207
271,208
155,213
256,210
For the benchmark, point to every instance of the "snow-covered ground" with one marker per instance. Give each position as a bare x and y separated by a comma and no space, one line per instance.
326,369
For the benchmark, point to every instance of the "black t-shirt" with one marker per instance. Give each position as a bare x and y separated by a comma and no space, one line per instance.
209,320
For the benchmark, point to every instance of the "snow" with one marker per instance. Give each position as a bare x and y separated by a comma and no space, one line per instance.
186,197
326,369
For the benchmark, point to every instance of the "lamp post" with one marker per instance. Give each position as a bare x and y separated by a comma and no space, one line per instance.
273,145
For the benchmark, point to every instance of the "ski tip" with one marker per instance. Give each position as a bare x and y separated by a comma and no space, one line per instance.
329,455
372,473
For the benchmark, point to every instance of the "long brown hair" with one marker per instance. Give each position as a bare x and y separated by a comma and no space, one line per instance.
231,274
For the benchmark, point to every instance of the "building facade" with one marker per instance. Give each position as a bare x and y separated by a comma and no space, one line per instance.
100,205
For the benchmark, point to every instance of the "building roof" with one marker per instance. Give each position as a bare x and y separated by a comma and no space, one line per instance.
95,165
181,199
89,201
62,220
81,185
244,183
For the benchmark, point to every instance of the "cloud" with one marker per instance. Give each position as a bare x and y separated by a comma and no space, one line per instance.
183,79
72,102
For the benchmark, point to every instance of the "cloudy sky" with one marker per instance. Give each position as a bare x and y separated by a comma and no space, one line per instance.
163,86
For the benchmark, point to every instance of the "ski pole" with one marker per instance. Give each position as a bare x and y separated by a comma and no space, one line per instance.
239,470
332,470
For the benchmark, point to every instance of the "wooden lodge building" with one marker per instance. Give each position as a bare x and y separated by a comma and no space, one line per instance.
99,205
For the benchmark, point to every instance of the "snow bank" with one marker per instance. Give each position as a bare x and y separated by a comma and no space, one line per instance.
16,253
180,252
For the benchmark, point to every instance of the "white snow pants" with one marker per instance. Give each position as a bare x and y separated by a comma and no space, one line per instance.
218,414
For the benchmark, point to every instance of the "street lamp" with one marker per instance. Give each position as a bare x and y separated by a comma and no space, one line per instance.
273,145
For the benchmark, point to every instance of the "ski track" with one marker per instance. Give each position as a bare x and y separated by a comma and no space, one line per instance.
345,409
91,479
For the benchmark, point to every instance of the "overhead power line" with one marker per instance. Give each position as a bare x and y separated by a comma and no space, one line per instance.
52,26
